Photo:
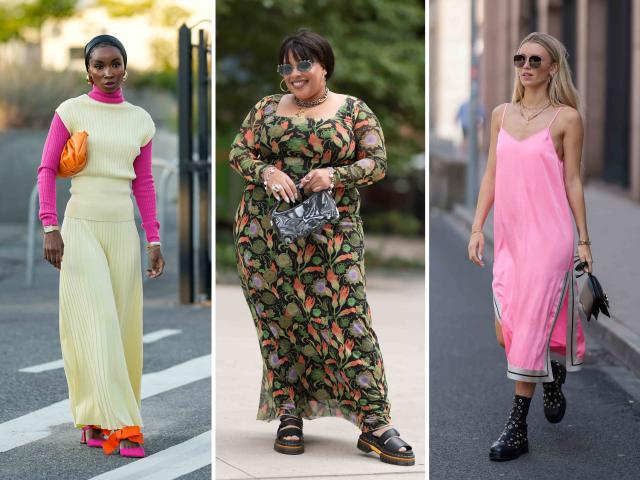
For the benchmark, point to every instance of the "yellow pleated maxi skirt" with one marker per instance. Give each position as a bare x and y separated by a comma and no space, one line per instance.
101,321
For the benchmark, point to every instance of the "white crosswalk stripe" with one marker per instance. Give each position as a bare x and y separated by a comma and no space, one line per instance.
36,425
148,338
43,367
167,464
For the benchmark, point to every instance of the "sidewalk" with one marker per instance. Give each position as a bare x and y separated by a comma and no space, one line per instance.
614,229
244,446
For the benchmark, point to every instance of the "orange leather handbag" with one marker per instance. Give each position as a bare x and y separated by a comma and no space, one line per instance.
74,155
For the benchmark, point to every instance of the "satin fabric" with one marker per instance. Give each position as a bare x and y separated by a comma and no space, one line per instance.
533,282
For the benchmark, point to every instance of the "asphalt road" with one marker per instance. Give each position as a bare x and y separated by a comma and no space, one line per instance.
37,439
470,395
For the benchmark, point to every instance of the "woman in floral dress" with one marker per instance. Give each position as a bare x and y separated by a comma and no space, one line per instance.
308,300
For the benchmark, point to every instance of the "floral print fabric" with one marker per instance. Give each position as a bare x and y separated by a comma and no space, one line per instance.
308,300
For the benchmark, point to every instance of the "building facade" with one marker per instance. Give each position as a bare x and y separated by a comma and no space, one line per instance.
603,41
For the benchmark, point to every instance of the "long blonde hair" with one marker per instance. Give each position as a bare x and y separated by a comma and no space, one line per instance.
560,89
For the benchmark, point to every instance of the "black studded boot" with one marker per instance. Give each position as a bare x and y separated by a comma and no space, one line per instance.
555,404
513,440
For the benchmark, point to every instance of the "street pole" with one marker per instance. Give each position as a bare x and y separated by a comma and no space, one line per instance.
472,166
185,159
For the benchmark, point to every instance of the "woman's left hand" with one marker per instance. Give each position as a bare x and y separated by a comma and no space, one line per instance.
584,252
156,262
316,180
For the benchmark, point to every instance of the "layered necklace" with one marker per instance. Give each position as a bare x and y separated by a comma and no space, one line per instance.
528,117
307,104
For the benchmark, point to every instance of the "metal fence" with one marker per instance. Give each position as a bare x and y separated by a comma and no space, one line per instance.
194,166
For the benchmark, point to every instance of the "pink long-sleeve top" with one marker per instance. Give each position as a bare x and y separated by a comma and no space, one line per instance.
142,186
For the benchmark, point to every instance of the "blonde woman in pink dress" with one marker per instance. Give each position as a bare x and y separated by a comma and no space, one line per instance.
533,182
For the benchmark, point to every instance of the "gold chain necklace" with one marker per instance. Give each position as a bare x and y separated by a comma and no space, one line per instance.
304,105
528,118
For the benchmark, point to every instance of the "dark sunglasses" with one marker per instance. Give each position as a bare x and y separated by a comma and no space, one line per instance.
287,69
534,61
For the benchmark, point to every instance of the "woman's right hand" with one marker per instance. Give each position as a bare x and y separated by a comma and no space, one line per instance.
285,188
476,248
53,248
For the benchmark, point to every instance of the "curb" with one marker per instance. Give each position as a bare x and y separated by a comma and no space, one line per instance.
614,336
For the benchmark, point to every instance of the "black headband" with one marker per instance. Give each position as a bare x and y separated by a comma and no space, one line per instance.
109,40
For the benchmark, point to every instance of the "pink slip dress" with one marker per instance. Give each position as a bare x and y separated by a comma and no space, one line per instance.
534,287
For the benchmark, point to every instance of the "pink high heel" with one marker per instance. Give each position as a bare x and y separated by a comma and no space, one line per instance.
132,434
133,452
91,442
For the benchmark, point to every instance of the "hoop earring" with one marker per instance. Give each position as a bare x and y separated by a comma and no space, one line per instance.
125,76
285,90
89,79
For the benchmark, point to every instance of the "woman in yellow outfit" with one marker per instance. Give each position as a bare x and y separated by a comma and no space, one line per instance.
97,250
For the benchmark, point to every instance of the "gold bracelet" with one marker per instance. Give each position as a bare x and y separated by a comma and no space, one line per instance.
477,231
584,242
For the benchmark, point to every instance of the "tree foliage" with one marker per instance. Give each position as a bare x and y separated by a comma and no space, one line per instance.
379,49
126,8
17,18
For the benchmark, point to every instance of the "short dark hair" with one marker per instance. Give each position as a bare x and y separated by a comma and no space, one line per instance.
308,45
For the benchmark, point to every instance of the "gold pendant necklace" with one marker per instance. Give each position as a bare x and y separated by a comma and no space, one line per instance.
528,118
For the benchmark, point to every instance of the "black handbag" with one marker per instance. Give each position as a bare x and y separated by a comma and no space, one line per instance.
305,218
593,298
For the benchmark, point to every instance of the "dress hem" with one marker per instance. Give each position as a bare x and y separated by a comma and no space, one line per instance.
572,362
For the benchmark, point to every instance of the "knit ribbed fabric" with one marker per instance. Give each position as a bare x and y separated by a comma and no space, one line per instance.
144,192
119,153
101,321
48,169
100,276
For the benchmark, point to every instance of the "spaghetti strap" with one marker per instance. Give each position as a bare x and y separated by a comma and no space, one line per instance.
503,112
554,117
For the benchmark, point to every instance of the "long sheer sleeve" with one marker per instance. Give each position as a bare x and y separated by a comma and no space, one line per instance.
245,154
144,191
371,158
48,169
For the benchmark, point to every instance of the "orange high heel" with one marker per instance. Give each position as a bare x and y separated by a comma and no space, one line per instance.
132,434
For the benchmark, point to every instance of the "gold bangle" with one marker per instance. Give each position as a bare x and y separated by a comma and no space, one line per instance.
584,242
477,231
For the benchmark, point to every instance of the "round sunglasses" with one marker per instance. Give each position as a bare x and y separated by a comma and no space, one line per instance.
519,61
287,69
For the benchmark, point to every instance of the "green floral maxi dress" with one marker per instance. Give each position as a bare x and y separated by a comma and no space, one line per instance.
308,301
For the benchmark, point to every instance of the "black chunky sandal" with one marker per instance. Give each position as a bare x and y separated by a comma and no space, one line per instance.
387,446
553,400
513,440
290,426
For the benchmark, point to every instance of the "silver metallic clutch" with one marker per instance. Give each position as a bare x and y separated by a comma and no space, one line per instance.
305,218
